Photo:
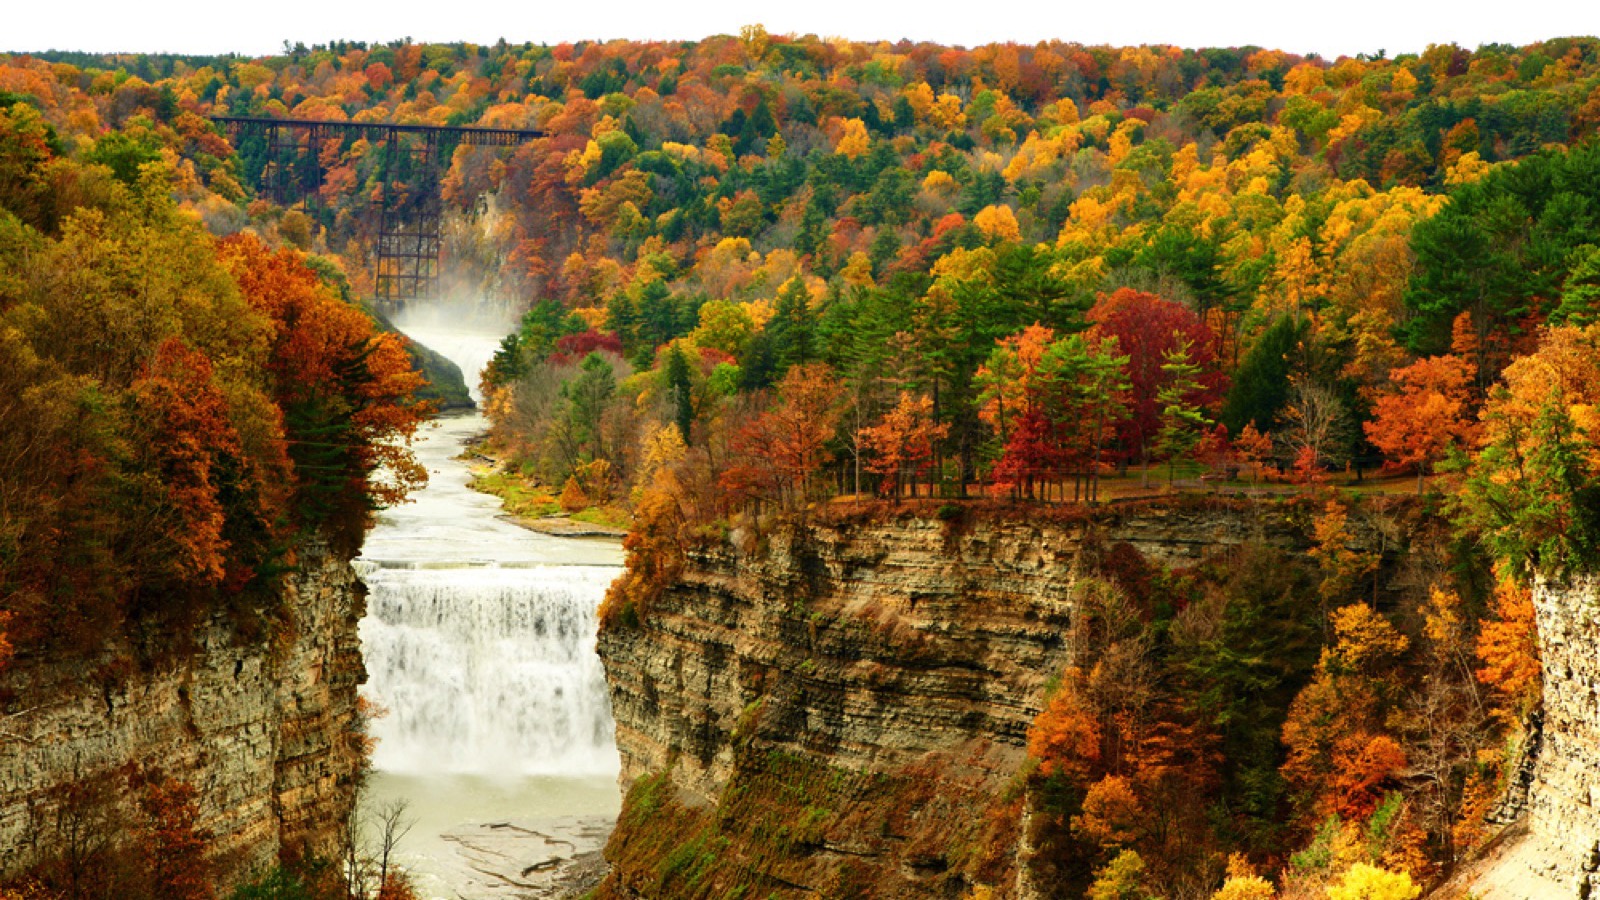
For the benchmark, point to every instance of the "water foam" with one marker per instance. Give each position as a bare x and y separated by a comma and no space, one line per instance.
488,670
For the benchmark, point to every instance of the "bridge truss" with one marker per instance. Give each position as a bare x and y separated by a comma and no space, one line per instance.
409,209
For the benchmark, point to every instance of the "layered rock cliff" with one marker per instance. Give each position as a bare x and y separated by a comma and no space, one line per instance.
1564,802
1554,853
265,730
858,695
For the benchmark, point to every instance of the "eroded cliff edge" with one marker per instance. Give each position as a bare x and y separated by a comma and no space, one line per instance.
842,707
1553,852
858,695
265,730
1564,803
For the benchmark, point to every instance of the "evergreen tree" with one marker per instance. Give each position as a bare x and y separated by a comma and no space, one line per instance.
680,390
792,329
813,230
1182,422
582,438
1261,385
622,314
1580,295
758,367
1533,490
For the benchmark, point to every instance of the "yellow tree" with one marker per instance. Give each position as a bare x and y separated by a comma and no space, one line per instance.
1364,882
998,223
1243,883
1340,762
854,140
1343,565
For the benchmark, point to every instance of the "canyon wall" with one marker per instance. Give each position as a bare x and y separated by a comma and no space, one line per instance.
1564,801
266,731
1553,853
844,705
890,667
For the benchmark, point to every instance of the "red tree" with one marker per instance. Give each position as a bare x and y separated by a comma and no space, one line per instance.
188,436
1147,328
779,451
346,390
174,845
577,346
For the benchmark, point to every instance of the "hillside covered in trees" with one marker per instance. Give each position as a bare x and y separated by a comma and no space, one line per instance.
757,271
179,410
1267,237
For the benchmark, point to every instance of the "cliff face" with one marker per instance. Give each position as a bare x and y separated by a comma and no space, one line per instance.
1554,853
262,730
892,668
1564,801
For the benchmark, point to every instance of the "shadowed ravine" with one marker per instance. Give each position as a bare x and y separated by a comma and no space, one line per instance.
479,643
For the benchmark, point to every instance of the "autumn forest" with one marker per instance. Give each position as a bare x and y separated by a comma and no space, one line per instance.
761,278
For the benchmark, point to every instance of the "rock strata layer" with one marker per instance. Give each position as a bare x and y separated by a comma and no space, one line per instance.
264,730
871,649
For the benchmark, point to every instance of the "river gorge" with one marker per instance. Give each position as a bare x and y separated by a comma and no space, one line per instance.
479,645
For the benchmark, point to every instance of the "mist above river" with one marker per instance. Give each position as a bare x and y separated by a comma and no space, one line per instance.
466,333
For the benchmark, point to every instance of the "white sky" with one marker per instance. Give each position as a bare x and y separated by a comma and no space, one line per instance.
1328,27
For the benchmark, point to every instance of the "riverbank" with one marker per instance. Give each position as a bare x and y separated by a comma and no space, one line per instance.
490,838
531,504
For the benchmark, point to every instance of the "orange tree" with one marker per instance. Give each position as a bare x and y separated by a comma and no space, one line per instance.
345,390
1425,415
778,453
1531,491
902,443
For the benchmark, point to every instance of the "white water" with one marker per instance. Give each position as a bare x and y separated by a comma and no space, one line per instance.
479,642
488,671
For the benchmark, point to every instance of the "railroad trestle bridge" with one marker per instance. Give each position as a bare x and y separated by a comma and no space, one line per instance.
409,210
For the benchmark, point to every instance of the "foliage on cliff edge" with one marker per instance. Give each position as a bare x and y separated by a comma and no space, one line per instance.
174,410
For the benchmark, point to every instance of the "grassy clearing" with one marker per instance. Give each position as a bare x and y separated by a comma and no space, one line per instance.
526,497
608,516
523,495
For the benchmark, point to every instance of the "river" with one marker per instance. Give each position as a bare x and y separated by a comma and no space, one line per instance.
479,642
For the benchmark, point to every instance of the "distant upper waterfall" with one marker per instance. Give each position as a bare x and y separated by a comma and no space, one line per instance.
488,670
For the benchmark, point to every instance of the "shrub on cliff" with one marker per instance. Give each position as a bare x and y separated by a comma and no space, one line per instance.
126,834
172,847
1065,737
1121,879
280,884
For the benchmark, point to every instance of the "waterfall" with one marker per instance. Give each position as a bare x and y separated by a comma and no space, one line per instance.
488,670
479,635
479,641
